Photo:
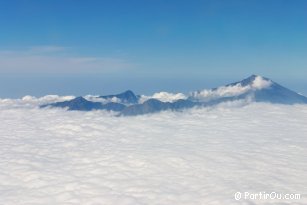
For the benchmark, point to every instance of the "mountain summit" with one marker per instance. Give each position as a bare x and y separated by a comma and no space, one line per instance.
266,90
252,89
255,87
127,97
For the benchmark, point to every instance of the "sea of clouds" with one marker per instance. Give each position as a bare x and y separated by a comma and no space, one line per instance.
198,156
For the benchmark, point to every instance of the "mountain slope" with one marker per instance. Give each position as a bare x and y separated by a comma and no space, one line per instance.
154,105
81,104
252,89
78,103
256,88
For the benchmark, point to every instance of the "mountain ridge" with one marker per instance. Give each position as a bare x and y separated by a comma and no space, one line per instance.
255,87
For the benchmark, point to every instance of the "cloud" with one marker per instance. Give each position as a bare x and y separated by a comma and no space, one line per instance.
231,90
56,59
260,83
96,98
199,156
164,97
223,91
31,101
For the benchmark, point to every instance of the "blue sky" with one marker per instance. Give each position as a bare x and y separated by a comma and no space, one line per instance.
99,47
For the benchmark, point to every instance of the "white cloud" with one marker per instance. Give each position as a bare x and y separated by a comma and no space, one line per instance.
164,97
231,90
53,59
260,83
31,101
200,156
96,98
223,91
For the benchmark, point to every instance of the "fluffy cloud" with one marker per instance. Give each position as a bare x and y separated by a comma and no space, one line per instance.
164,97
31,101
200,156
260,83
231,90
96,98
223,91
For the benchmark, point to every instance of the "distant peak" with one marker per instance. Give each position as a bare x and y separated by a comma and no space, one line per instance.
125,97
128,92
79,98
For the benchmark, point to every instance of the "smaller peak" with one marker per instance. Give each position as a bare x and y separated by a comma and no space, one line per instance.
128,92
152,101
79,99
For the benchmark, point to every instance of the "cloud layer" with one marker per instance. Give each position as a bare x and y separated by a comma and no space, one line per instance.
200,156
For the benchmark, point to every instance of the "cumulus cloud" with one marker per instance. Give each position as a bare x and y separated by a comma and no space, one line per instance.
53,59
223,91
200,156
260,83
232,90
164,97
96,98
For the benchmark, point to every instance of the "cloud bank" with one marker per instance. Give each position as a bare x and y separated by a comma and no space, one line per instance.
200,156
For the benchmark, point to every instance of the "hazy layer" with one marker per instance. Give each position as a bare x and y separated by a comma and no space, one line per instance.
200,156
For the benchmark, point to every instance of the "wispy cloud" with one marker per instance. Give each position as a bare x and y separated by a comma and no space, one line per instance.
57,59
46,49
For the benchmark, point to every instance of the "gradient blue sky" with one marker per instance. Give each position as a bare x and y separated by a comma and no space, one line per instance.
100,47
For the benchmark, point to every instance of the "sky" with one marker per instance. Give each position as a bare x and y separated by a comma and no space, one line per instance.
71,47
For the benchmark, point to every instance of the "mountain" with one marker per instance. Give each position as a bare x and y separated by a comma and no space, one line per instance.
117,107
127,97
276,93
81,104
154,105
78,103
256,88
252,89
149,106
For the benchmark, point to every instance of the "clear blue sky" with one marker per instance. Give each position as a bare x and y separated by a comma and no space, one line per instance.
99,47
